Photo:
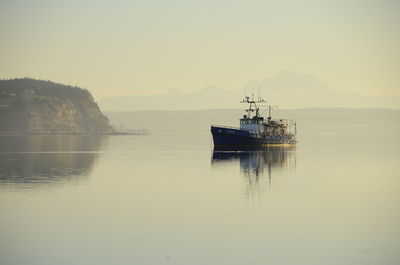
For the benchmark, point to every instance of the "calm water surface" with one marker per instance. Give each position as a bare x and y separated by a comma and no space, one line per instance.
167,198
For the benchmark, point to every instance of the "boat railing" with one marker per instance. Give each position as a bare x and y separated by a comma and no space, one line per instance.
237,128
226,127
287,121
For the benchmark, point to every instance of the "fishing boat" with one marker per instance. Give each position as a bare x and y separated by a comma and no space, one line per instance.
255,131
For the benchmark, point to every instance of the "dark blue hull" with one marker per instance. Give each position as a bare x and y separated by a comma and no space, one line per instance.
231,137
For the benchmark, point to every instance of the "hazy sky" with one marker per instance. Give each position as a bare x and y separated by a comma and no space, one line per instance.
127,47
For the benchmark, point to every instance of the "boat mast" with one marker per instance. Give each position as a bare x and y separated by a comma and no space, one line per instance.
252,102
269,112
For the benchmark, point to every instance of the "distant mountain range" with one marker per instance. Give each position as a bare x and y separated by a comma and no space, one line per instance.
287,89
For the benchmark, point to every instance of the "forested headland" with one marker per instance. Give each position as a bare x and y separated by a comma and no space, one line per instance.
30,106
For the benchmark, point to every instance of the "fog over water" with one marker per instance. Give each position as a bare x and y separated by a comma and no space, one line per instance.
173,69
167,198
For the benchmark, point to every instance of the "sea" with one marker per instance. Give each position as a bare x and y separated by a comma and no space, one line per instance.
169,198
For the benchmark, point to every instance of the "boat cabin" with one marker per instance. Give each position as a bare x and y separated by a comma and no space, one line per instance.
265,127
255,124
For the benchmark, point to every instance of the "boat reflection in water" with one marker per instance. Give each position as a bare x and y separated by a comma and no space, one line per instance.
258,166
30,162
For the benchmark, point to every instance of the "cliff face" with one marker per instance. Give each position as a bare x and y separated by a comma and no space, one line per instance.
42,107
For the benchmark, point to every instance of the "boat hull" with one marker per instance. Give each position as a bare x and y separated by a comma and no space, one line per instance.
231,137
